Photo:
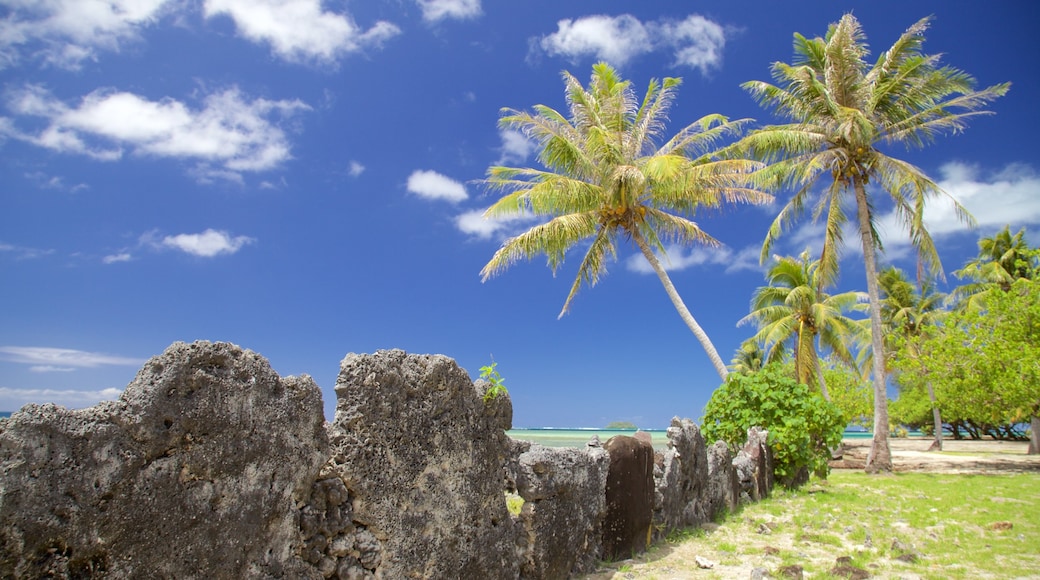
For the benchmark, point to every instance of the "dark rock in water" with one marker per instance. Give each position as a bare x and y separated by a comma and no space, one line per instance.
422,454
630,497
195,472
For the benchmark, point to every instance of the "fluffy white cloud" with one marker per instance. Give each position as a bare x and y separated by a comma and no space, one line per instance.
1004,197
67,32
695,42
299,30
116,258
475,224
615,39
355,169
72,399
433,185
229,130
47,358
208,244
1008,196
515,147
677,258
434,10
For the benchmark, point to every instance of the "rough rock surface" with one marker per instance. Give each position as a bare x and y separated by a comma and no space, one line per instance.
629,497
422,457
754,466
681,480
564,492
723,487
193,473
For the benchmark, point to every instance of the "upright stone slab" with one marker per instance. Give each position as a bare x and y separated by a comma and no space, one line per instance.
194,472
421,455
723,488
564,492
629,497
681,480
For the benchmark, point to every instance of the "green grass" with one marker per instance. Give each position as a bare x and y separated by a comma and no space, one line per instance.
933,526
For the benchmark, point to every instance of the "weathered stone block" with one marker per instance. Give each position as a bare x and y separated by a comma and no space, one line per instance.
422,456
193,473
629,497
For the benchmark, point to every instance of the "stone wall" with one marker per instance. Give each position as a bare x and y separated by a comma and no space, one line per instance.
210,465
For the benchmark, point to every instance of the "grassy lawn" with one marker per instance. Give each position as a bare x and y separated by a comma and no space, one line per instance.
909,525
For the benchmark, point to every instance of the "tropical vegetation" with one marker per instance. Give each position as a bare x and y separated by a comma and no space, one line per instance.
794,310
802,426
611,176
843,109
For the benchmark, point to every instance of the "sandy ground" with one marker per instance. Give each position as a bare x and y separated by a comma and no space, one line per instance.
678,561
965,456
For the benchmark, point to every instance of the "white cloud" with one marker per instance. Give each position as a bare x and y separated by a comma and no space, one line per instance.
515,147
433,185
475,224
696,42
208,244
355,169
12,399
299,30
43,358
612,38
434,10
67,32
229,130
677,258
1005,197
116,258
24,253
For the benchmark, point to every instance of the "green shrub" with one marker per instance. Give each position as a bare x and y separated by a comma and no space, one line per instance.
802,426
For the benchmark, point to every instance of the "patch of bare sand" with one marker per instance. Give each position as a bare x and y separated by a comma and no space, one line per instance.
678,561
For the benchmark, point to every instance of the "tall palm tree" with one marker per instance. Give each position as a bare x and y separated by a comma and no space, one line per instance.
842,110
1002,259
748,359
907,314
607,177
793,308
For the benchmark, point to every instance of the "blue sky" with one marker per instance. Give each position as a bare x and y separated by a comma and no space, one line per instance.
301,178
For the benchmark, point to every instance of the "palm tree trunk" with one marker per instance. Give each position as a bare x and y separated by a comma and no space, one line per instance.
880,457
823,383
1034,439
936,419
684,312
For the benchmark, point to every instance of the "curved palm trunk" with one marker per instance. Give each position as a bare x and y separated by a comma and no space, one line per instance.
880,457
684,312
936,419
1034,440
823,383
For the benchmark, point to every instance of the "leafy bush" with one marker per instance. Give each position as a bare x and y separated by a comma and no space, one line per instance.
802,426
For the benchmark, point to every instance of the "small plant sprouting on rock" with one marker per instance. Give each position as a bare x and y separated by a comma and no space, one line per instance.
489,374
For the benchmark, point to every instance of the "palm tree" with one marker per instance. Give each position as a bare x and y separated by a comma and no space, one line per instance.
748,359
907,313
842,109
606,178
793,308
1002,259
